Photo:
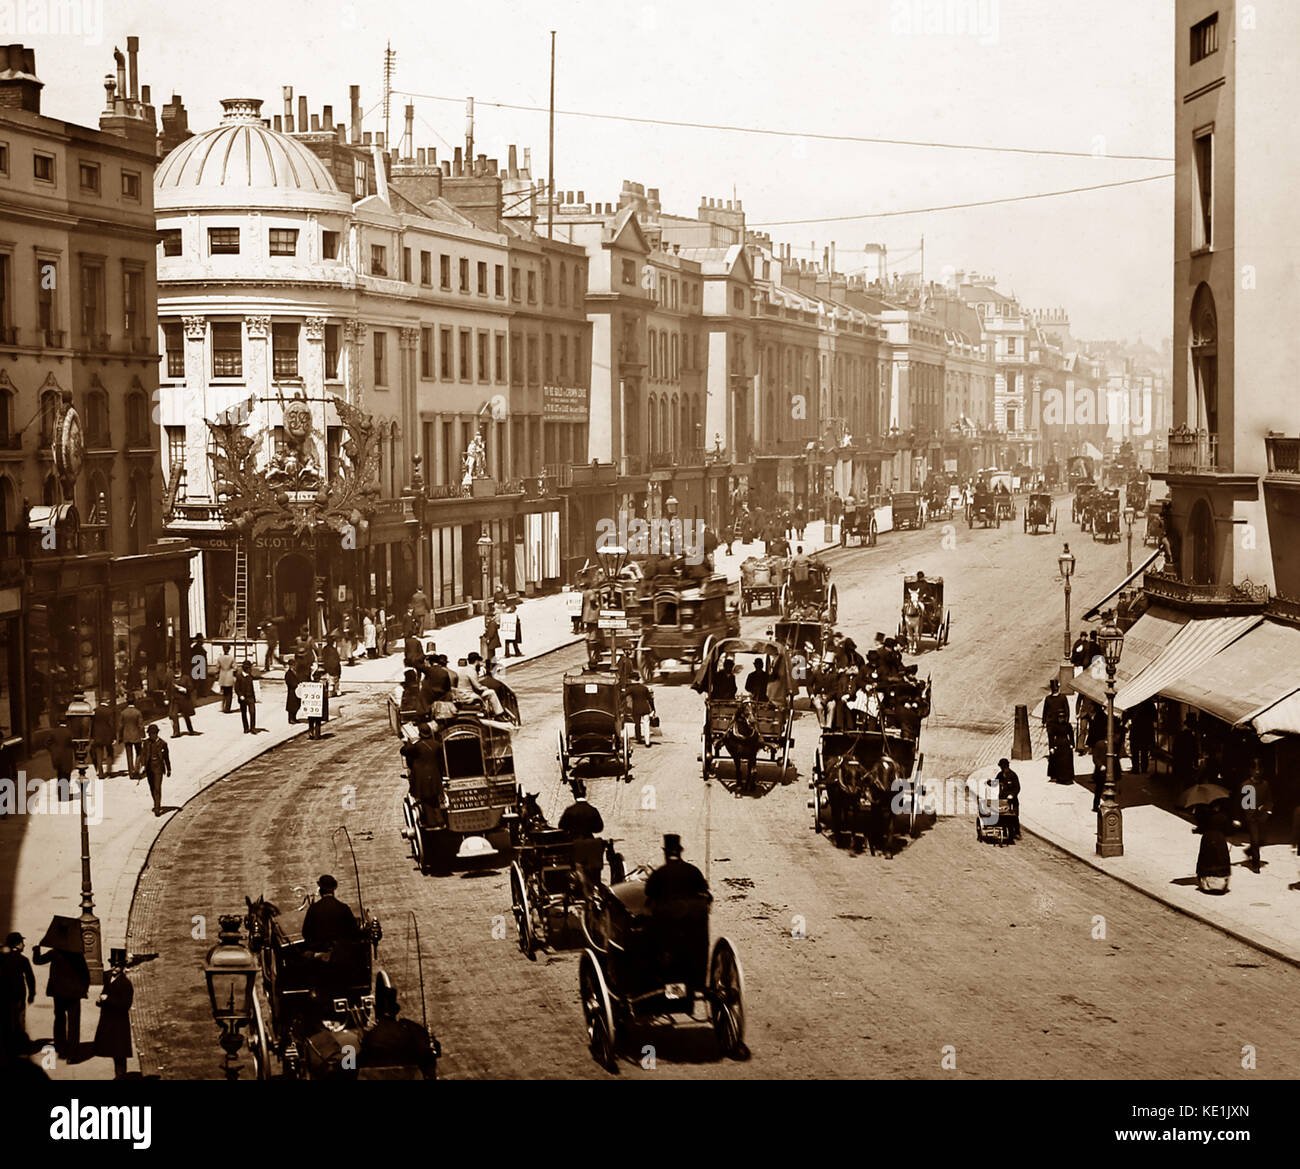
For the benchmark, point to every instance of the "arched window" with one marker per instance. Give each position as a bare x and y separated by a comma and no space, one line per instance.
564,284
654,354
6,418
1204,358
49,416
577,286
650,423
675,366
137,419
663,356
97,487
97,423
1201,530
674,411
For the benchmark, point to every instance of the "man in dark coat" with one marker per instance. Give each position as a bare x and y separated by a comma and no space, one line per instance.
641,705
291,700
181,705
756,683
424,767
68,985
330,663
1185,754
130,731
155,762
678,898
436,686
394,1042
113,1034
246,692
1009,789
1141,735
327,919
581,820
101,740
63,757
724,681
1080,652
17,990
1056,707
414,652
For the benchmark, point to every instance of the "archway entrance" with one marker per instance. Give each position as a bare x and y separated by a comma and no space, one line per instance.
294,598
1201,530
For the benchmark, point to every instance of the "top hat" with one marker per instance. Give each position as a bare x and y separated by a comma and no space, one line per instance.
117,957
672,844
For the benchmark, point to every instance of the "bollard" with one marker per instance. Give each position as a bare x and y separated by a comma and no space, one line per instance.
1020,748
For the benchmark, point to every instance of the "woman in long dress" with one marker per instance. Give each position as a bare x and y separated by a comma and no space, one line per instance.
1060,755
1213,862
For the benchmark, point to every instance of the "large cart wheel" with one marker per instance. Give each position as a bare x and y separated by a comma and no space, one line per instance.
597,1012
833,603
258,1044
706,750
522,911
727,999
786,738
785,599
646,667
874,534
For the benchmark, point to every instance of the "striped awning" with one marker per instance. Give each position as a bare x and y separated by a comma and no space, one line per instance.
1181,655
1253,681
1148,638
1095,611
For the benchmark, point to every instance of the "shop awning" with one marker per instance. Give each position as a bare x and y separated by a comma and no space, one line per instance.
1254,680
1157,654
1095,612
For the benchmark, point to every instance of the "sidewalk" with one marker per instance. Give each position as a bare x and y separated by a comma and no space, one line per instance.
1159,849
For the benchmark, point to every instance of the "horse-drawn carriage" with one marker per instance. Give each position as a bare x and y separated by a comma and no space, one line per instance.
594,732
1136,491
683,615
858,526
745,724
909,510
1040,512
469,813
644,965
808,643
761,581
1081,507
808,589
1104,515
863,787
983,508
923,616
1002,484
1157,522
322,1005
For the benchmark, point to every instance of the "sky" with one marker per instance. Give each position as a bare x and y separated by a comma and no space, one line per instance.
1094,78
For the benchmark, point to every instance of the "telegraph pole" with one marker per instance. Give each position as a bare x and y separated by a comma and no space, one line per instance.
550,161
390,67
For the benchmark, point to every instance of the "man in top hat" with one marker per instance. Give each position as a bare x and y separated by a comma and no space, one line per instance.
327,920
394,1042
1056,711
678,897
424,766
584,824
155,762
17,990
113,1034
68,985
180,705
246,692
724,680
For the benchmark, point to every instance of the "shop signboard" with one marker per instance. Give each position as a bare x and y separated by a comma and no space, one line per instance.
564,403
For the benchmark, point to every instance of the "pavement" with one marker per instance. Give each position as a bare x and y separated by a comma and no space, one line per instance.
1160,848
43,849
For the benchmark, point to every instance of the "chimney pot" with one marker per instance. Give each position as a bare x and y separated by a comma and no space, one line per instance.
326,117
341,134
366,137
582,196
278,123
737,204
512,162
132,49
302,114
354,97
315,123
419,156
145,94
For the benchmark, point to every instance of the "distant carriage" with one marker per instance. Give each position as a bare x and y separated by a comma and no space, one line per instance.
765,720
808,643
761,581
594,731
1081,507
808,589
909,510
1157,522
1104,513
923,615
1040,512
983,509
864,787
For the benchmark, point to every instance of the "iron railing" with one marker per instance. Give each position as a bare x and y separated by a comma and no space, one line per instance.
1283,454
1169,588
1193,450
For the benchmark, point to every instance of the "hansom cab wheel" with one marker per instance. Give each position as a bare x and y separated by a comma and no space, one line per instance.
872,537
597,1012
258,1043
727,999
563,756
833,602
522,910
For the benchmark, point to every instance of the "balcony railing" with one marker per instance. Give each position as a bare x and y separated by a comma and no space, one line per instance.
1283,454
52,338
1169,588
1193,450
198,513
561,474
1288,608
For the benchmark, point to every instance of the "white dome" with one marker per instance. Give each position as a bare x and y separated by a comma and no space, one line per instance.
241,163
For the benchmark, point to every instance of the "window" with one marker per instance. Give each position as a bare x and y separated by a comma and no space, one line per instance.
444,367
499,276
92,301
4,158
501,358
43,167
532,361
484,356
227,349
359,186
137,419
175,452
516,360
546,281
548,357
97,434
284,241
466,357
284,350
378,260
564,358
47,272
174,347
514,284
532,287
381,359
1205,38
464,274
444,271
131,185
89,175
426,269
329,245
1203,157
171,242
629,271
564,284
406,265
332,334
1011,420
1011,345
482,279
5,311
132,302
577,286
426,353
223,241
738,299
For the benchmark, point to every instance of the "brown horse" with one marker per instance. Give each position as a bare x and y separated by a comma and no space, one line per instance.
742,742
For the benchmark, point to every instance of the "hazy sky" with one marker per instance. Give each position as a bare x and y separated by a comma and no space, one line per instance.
1095,78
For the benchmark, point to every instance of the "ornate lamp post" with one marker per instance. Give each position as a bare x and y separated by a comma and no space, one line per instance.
485,564
1130,514
612,558
1066,563
231,972
1110,822
79,715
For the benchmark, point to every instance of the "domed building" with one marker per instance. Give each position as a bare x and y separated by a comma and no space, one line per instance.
292,305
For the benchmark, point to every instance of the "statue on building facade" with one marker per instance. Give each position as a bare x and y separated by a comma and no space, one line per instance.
296,466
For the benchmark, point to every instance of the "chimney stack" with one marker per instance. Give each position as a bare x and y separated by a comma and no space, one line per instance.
278,123
287,93
410,128
302,115
341,134
315,123
354,96
327,118
132,51
457,164
512,162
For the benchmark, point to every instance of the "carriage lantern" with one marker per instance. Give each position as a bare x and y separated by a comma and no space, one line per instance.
231,971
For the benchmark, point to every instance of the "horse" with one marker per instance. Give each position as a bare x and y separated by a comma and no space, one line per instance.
742,742
912,617
882,780
531,818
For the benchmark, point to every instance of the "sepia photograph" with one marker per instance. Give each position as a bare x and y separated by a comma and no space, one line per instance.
704,543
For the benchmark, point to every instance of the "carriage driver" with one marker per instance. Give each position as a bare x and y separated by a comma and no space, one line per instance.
678,898
327,921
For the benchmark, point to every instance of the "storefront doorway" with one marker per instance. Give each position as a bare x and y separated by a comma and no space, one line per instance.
293,595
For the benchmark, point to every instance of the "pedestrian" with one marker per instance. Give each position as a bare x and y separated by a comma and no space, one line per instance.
291,700
130,732
330,664
1255,799
512,632
63,757
419,608
1185,755
270,630
155,762
370,637
1060,742
17,991
490,641
1213,860
641,707
1141,735
199,657
226,676
113,1034
314,724
246,692
102,740
413,652
1099,748
68,984
181,705
1008,788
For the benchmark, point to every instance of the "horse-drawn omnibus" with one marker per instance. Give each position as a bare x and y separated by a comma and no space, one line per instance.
594,732
683,615
742,722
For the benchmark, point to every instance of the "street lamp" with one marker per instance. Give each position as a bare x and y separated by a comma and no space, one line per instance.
612,558
78,716
1130,514
1110,822
231,971
485,564
1066,562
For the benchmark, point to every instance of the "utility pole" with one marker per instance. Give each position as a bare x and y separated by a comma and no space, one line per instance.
469,134
550,152
390,68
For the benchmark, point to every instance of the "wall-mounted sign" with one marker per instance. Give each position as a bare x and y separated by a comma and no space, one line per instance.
564,403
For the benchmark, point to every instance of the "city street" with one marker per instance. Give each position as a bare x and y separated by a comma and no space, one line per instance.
1022,961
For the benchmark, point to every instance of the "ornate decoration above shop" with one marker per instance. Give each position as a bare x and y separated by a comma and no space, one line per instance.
290,489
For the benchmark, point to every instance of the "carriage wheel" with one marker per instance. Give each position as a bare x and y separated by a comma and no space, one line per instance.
727,999
1053,523
785,749
597,1012
874,533
997,518
704,751
258,1044
785,598
563,756
522,911
646,666
834,603
627,753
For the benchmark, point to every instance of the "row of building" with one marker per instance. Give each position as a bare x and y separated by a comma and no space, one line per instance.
278,370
